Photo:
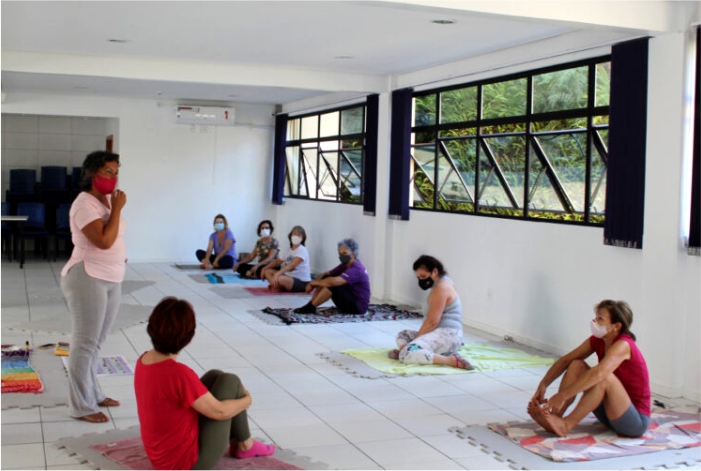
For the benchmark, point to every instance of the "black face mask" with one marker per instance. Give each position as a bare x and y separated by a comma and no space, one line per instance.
344,259
426,283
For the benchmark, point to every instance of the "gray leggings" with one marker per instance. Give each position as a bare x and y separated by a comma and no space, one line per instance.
93,305
215,435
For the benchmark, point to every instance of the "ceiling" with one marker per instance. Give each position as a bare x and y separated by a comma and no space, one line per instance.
271,52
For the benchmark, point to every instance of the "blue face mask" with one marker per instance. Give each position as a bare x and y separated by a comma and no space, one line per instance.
219,226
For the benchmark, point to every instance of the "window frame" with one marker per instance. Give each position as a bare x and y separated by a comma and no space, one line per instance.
593,147
339,138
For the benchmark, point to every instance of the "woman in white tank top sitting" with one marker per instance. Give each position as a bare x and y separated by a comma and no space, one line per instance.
440,335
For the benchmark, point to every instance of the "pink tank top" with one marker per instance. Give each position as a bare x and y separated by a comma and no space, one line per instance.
632,373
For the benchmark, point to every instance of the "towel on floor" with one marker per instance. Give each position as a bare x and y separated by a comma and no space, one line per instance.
18,375
332,315
483,356
591,440
131,454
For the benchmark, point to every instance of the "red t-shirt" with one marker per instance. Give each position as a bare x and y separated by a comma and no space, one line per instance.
632,373
165,392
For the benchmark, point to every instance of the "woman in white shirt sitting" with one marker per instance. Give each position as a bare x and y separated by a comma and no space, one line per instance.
291,273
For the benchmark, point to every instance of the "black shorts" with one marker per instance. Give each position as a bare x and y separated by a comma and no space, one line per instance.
344,299
298,285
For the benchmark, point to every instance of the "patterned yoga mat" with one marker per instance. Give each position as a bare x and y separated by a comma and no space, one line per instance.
590,440
18,375
376,312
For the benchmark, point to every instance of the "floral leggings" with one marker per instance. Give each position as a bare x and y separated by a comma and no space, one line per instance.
442,341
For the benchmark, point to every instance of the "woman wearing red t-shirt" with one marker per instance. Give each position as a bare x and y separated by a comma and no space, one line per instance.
617,389
188,422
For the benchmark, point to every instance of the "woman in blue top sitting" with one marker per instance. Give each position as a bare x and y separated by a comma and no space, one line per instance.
440,335
221,249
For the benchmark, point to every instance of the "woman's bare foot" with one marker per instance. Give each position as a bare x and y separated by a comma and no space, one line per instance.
550,422
557,424
96,418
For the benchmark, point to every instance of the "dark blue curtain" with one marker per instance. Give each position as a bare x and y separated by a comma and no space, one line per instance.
695,225
279,159
625,180
400,154
370,159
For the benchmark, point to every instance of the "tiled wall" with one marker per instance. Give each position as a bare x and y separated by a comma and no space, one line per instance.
31,141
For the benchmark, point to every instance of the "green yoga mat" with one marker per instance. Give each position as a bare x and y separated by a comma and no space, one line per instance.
483,356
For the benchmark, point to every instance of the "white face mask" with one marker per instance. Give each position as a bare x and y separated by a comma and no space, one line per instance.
296,240
597,330
265,232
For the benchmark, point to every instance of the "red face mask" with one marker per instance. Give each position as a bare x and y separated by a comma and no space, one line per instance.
104,185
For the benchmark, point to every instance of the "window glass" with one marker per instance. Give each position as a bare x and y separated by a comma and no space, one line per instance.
458,106
504,99
352,120
512,164
325,154
561,90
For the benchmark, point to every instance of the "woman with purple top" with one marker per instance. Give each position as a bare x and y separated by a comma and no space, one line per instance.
221,249
347,285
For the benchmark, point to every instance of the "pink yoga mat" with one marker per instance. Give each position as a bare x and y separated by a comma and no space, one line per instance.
131,454
268,292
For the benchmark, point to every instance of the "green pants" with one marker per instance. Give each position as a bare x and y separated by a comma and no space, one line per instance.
215,435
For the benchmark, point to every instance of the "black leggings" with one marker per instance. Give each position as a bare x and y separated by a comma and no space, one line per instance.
215,435
227,261
244,267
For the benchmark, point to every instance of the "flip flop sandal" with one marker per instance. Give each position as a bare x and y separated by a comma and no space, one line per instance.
108,402
96,418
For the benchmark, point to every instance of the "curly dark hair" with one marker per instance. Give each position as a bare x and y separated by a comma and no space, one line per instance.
429,264
171,325
92,163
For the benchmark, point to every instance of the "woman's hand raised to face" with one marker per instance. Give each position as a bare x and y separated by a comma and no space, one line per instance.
119,199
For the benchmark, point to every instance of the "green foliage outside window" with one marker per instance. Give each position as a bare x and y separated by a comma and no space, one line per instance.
563,137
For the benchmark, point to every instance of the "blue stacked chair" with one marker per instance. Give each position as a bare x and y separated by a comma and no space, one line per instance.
53,177
53,191
22,187
75,181
63,227
6,231
35,227
23,180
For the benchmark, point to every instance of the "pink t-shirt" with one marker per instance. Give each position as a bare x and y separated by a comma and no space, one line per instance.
104,264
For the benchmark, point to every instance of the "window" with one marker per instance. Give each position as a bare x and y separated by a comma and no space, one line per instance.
530,146
325,155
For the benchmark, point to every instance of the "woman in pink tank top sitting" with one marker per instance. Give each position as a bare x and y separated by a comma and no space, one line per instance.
616,390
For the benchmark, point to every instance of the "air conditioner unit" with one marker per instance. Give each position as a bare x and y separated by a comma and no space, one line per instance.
204,115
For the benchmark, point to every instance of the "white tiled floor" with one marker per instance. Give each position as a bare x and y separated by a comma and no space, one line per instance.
300,401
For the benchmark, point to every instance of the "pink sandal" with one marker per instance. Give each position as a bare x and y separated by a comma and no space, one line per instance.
461,363
258,449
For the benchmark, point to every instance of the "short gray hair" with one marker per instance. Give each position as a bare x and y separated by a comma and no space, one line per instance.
351,244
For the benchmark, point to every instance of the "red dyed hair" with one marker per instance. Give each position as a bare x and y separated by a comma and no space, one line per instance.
171,325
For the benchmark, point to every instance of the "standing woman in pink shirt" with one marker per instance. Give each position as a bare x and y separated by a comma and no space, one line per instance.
91,281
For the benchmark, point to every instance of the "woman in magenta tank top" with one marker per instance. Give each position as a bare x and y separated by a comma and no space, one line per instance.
616,390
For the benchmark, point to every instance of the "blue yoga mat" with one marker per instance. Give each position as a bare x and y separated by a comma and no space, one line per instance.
216,278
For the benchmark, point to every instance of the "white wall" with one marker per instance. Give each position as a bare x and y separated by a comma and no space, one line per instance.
177,177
